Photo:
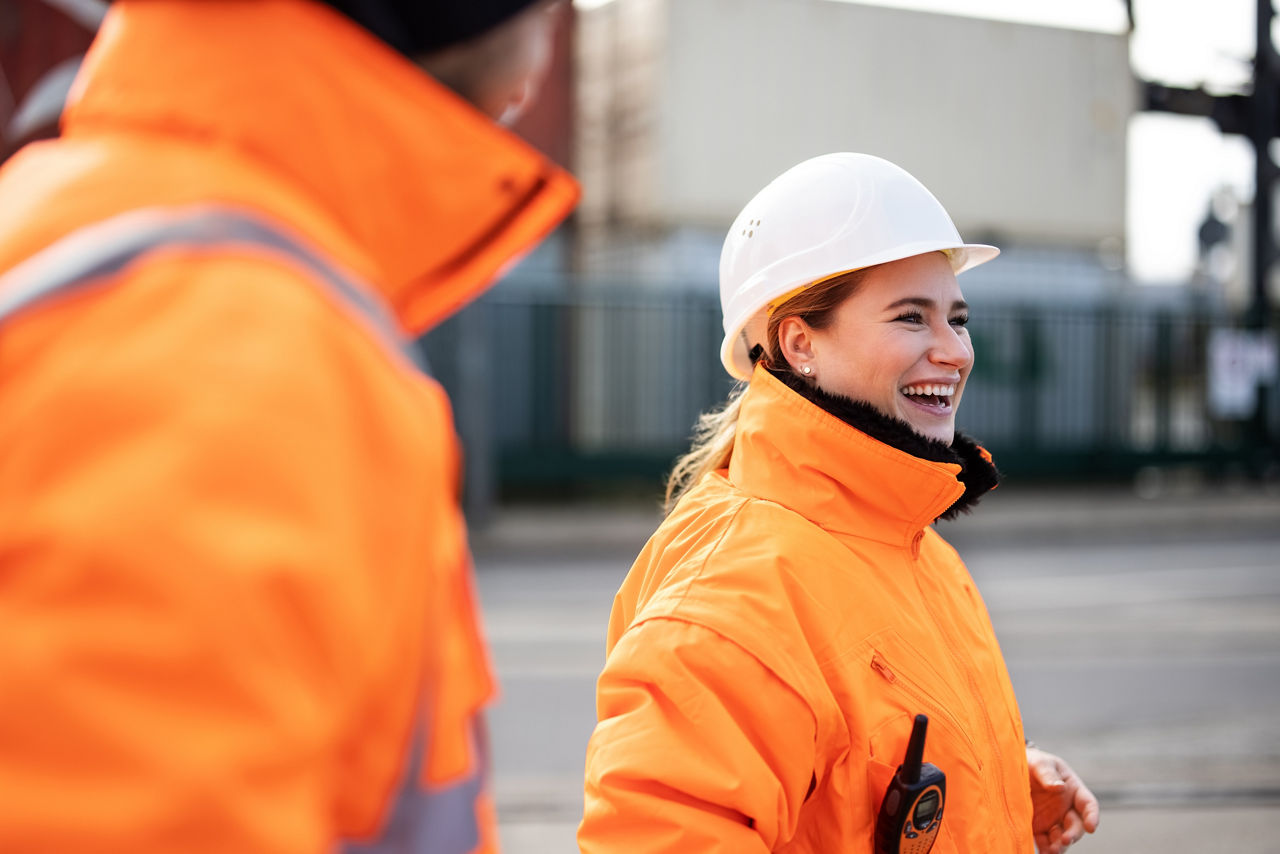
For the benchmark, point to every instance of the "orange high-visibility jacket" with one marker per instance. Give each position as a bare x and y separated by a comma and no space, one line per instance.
773,642
236,606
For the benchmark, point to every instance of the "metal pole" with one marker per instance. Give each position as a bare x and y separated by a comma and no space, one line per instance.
1266,76
1266,80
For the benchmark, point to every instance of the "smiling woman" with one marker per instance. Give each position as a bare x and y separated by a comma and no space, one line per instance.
840,277
774,642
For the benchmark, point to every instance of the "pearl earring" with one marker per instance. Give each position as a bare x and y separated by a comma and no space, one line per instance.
806,369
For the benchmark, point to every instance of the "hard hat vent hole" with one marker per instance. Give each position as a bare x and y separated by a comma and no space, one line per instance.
751,228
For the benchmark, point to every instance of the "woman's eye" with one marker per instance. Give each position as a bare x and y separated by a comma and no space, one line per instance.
911,317
962,320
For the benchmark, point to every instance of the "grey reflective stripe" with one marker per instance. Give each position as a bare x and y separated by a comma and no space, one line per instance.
109,246
430,820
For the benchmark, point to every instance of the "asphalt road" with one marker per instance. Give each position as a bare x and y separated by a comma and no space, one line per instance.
1143,638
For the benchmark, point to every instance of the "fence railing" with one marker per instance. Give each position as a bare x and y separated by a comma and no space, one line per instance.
555,390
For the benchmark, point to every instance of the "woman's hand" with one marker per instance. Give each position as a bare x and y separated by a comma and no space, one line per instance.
1063,808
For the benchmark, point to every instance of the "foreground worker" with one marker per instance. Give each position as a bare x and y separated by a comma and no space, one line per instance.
776,638
234,585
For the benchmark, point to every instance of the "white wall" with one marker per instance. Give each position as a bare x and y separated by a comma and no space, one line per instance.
1018,129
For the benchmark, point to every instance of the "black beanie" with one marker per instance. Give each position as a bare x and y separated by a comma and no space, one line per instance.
415,27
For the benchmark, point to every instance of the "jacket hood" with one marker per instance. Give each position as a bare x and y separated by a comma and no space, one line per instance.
438,197
848,468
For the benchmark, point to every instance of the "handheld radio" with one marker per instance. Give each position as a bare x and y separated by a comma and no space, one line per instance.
911,813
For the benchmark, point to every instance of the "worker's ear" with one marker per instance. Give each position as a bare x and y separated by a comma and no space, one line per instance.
500,71
795,340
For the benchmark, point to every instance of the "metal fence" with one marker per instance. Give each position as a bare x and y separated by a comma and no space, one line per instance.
556,391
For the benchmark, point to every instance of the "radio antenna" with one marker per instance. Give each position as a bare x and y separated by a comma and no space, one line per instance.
915,750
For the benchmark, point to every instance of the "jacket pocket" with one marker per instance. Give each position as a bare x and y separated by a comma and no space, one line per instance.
910,683
901,684
879,776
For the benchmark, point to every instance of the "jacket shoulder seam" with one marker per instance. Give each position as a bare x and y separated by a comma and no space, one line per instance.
691,621
715,547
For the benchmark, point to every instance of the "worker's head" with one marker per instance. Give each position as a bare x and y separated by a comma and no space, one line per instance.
842,271
493,53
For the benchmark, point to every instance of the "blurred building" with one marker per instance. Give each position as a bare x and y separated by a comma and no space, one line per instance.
686,107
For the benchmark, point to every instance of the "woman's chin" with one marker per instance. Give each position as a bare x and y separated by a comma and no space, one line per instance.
944,433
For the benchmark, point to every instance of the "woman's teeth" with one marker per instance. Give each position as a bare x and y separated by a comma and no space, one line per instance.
929,389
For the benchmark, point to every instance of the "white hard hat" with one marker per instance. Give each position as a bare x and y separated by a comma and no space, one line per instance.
829,215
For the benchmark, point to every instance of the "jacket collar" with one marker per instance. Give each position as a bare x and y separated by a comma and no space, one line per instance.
790,450
437,196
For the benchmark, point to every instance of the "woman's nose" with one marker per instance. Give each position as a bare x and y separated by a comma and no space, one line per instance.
951,347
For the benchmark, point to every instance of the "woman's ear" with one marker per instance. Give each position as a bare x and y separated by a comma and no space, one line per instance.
795,339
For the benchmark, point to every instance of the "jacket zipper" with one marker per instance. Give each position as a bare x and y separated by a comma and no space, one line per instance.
923,700
965,665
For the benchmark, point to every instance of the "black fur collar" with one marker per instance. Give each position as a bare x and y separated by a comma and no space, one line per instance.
978,476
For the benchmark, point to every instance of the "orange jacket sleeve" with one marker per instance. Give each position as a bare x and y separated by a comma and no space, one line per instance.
699,748
212,562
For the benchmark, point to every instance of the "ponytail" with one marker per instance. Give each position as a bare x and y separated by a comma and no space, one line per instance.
712,446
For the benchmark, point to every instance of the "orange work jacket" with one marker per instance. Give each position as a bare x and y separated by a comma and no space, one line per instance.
235,591
772,643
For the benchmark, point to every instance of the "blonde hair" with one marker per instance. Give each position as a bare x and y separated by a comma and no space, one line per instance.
714,434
